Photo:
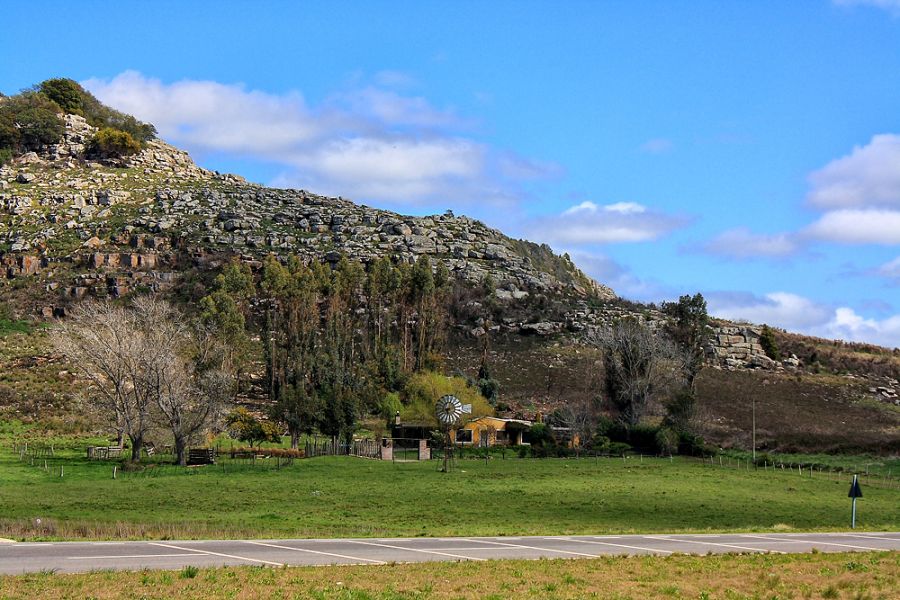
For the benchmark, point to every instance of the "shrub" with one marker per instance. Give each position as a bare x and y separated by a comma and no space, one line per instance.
666,441
73,98
66,93
769,344
112,143
29,121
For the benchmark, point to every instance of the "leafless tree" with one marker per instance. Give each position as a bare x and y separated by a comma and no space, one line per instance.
580,417
145,364
640,367
103,344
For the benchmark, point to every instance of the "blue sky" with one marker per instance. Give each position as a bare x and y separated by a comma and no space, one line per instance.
746,150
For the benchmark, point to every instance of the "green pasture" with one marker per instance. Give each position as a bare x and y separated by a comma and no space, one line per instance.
65,496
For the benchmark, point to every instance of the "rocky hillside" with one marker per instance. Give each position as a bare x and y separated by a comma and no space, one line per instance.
104,228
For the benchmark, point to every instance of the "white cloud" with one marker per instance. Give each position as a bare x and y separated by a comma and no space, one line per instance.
891,6
741,243
867,177
590,223
846,324
890,269
370,143
657,146
866,226
797,313
777,308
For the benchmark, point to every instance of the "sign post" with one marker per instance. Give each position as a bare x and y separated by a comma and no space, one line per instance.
854,493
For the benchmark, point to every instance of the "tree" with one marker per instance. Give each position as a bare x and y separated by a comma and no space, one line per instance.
244,426
66,93
146,365
640,366
690,331
29,121
105,345
769,343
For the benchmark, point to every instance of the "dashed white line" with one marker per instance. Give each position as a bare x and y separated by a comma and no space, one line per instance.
436,552
356,558
814,542
620,545
705,543
257,560
115,556
479,540
873,537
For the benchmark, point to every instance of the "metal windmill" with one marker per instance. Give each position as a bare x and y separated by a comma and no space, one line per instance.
449,410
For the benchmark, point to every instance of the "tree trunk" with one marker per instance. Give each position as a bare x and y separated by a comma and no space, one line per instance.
295,439
180,447
137,444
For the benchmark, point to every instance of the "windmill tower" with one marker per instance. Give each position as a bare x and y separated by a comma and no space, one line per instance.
449,410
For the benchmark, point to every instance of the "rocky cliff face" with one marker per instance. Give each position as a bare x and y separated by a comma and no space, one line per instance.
104,228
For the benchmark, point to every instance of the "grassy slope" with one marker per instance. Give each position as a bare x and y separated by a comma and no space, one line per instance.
345,496
867,575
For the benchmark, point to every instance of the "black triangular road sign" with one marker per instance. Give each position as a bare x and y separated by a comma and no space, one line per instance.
855,492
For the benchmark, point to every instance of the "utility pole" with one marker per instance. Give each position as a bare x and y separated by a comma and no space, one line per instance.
754,428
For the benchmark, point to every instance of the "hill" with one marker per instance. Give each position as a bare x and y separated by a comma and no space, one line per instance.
92,204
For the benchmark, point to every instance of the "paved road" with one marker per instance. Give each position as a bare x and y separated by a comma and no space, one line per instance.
87,556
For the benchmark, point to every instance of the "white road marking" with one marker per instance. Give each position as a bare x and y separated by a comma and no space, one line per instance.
114,556
534,548
620,545
356,558
415,550
814,542
873,537
265,562
705,543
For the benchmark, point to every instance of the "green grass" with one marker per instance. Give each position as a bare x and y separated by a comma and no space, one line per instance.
345,496
847,576
850,463
8,326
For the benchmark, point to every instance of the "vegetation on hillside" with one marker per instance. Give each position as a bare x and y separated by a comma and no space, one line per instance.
31,121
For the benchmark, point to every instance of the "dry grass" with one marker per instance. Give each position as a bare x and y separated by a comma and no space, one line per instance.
863,575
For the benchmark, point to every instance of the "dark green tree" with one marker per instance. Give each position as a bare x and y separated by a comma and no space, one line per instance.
769,343
66,93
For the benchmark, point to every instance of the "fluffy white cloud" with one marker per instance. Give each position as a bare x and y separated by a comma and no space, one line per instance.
852,226
371,143
741,243
590,223
867,177
846,324
797,313
777,308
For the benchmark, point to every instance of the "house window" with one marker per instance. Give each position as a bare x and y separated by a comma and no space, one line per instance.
502,437
464,436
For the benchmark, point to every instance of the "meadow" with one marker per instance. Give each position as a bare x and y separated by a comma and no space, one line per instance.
873,576
65,496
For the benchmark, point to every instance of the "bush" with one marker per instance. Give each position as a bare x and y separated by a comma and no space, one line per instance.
66,93
666,441
769,344
112,143
29,121
72,98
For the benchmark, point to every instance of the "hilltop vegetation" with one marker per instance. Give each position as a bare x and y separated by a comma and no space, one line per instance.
31,121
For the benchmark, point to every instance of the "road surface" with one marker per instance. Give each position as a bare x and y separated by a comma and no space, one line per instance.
73,557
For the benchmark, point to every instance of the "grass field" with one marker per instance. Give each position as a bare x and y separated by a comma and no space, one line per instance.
346,496
872,576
